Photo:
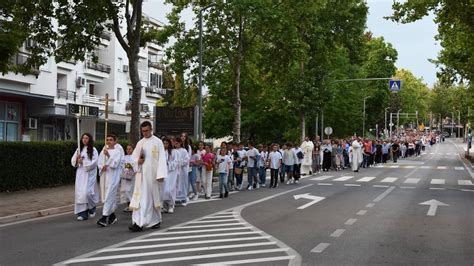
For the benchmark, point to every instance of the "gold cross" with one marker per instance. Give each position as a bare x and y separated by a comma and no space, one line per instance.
154,152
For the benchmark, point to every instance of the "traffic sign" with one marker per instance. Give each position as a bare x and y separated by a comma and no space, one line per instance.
328,130
394,85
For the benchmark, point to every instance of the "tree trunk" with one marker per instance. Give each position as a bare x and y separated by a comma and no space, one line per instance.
237,102
137,94
303,126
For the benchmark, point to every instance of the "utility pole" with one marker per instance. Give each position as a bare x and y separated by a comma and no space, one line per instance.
385,128
398,120
363,118
391,116
322,125
316,125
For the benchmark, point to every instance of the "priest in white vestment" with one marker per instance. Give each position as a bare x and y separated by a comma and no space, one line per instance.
149,155
356,155
307,147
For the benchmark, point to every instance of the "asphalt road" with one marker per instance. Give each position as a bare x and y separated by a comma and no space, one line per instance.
373,217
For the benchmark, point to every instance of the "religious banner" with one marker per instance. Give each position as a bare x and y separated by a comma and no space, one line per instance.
174,121
83,110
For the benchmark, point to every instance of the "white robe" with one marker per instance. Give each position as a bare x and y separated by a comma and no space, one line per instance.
127,179
307,148
182,180
86,189
356,155
146,203
110,179
168,195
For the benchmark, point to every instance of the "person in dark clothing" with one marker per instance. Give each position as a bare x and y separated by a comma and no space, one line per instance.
395,149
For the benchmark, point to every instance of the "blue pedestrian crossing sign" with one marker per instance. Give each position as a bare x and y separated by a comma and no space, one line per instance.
394,85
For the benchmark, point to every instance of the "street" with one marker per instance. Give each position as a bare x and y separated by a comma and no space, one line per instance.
419,211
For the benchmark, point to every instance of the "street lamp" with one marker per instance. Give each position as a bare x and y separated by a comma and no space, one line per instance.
363,118
398,121
459,122
386,109
200,71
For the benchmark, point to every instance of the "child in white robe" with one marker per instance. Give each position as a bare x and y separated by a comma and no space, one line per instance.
183,159
168,195
127,178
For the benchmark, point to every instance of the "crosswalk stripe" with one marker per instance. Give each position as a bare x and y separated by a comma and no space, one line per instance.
437,181
207,225
409,166
185,243
192,236
212,221
324,177
411,180
425,167
366,179
389,179
247,261
202,231
206,256
459,168
394,166
441,167
343,178
465,183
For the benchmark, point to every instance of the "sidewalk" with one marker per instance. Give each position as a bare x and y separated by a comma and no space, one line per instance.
22,205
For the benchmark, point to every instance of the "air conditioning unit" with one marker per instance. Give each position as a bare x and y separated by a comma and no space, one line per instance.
32,123
80,82
125,68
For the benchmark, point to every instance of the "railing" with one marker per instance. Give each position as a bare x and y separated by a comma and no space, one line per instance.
98,66
21,59
143,75
155,64
93,99
154,90
143,107
65,94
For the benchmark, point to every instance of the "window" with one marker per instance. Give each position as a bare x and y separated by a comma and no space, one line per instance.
119,94
120,64
9,121
91,89
130,94
12,112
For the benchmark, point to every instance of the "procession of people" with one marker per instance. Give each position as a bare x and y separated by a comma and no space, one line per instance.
158,174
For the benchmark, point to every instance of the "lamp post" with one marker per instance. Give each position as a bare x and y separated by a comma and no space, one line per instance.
199,127
459,121
398,121
385,128
363,118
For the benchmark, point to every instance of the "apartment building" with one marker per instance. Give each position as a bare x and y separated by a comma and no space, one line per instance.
34,107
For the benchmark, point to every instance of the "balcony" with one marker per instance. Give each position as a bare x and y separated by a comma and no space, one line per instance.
144,108
19,60
96,100
143,76
67,65
97,69
65,95
153,91
155,64
105,38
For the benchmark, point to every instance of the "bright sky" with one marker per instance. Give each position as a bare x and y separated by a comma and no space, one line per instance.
414,42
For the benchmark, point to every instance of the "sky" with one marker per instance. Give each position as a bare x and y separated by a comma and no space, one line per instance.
415,42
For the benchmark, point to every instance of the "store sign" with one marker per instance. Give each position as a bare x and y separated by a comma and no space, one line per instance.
174,120
83,110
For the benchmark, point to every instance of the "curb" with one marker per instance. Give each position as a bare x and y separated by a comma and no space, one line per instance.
35,214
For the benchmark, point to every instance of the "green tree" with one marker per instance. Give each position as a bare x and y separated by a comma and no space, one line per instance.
455,32
72,30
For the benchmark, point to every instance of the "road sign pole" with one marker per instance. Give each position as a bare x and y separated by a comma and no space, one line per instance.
391,123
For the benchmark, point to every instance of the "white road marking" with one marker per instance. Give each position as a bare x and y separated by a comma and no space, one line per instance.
465,183
409,166
206,256
437,181
361,212
433,206
338,232
395,166
320,178
384,194
351,221
352,185
343,178
185,243
389,180
218,217
366,179
384,186
442,167
425,167
468,190
320,247
200,231
191,237
207,225
324,184
248,261
459,168
370,205
212,221
437,188
411,181
407,187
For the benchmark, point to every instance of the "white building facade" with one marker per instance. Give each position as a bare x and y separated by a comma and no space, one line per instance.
34,107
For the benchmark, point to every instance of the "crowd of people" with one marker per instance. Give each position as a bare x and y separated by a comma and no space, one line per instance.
157,174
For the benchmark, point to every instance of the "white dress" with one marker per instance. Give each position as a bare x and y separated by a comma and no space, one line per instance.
127,179
110,179
86,189
182,180
168,195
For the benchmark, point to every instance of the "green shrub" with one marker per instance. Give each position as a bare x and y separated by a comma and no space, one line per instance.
27,165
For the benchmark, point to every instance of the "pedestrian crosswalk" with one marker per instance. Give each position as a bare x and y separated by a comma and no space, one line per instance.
219,239
436,167
393,180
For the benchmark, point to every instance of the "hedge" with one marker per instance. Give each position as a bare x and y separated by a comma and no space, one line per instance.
28,165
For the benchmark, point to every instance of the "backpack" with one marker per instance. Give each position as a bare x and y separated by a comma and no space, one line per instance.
300,155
